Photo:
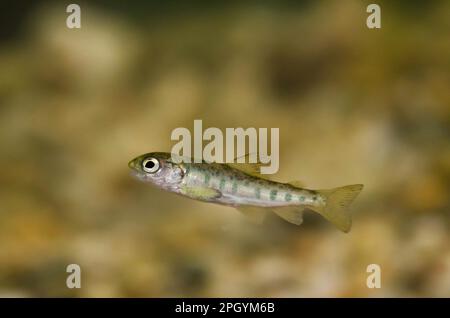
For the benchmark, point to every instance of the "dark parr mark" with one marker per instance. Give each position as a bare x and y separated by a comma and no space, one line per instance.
235,186
207,178
273,195
258,193
287,197
222,184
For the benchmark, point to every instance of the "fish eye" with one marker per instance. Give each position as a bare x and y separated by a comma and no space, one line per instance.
150,165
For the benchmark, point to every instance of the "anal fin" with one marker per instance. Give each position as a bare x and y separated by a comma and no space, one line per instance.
292,214
253,213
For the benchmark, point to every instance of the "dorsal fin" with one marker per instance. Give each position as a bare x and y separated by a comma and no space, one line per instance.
296,184
253,169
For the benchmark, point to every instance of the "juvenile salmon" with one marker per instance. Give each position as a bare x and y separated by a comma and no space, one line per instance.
241,186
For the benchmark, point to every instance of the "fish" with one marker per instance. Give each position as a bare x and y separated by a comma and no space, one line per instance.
241,186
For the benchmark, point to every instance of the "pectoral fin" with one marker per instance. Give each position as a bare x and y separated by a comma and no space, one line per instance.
253,213
292,214
200,193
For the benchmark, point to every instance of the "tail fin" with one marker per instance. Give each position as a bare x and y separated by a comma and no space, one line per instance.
336,208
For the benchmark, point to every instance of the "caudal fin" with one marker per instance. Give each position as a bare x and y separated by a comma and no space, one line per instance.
336,208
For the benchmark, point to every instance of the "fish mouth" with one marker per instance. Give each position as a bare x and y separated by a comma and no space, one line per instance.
132,164
135,174
135,171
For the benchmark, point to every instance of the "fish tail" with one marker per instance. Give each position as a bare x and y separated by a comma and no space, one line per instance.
337,202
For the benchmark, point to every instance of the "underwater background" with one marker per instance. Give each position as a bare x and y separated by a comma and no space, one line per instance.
353,105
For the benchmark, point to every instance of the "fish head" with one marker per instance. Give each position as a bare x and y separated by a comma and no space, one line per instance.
157,168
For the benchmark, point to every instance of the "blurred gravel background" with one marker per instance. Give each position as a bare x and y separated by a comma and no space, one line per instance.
353,106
